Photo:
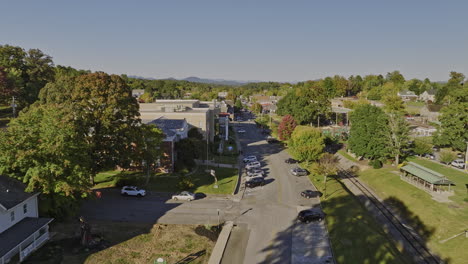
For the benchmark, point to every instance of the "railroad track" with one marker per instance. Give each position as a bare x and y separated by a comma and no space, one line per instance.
420,252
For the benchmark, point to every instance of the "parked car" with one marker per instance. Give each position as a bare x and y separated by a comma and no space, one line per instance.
258,181
290,161
132,191
458,163
271,139
429,156
255,171
253,165
187,196
298,172
249,159
248,178
307,216
307,194
241,131
460,155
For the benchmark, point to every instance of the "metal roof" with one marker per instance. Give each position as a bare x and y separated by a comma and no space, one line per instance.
426,174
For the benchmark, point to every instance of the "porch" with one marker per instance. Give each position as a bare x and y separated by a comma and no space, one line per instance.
22,239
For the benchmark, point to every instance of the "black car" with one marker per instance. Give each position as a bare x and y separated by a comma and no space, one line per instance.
255,182
271,139
290,161
307,216
307,194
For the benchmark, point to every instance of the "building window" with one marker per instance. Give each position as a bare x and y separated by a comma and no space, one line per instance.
25,208
12,216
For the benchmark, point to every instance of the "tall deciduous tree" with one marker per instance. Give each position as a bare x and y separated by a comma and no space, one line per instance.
105,112
327,166
44,149
306,143
453,131
367,133
286,127
396,134
256,108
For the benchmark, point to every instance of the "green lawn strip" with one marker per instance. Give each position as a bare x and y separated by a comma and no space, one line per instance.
203,181
355,236
458,177
436,221
346,155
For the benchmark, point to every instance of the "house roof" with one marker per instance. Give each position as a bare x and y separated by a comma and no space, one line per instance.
12,192
426,174
431,91
19,232
406,93
168,125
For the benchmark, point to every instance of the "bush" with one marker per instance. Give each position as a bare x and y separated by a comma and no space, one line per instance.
185,183
127,180
376,164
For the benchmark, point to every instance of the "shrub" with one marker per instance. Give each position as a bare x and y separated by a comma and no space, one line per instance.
376,164
185,183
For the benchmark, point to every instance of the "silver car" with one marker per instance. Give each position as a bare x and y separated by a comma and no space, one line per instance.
187,196
255,171
253,165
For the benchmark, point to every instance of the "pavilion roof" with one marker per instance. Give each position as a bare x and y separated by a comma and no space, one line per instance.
426,174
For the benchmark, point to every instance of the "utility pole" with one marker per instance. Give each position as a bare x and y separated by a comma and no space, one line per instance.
13,105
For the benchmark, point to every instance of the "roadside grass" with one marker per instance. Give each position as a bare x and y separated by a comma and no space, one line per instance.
415,104
346,155
355,236
435,221
202,180
129,243
458,177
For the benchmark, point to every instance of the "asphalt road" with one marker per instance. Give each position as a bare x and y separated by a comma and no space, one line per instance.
268,214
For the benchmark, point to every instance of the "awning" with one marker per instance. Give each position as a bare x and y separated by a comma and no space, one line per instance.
426,174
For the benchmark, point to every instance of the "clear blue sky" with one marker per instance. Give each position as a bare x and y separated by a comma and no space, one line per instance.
245,40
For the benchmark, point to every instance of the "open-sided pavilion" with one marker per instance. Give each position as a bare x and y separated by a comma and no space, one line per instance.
425,178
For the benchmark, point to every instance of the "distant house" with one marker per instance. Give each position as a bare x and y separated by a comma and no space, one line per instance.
407,95
222,95
430,113
137,93
428,95
174,130
423,131
22,231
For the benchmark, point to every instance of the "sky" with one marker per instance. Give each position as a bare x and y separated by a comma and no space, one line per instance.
245,40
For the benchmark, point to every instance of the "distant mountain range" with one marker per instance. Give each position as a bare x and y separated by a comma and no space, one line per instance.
200,80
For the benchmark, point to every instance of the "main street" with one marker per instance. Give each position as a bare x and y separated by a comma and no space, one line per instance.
267,215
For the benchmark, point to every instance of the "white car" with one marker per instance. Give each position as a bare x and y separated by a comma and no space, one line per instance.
255,171
459,163
132,191
253,165
187,196
249,159
249,178
241,131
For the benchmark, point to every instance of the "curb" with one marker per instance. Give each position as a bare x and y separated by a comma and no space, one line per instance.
220,246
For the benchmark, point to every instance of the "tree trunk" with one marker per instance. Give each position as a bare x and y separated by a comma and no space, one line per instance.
397,159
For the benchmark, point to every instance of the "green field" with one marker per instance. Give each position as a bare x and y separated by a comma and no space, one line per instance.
355,236
346,155
433,220
203,181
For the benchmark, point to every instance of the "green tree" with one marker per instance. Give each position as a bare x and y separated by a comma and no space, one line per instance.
327,166
286,127
421,147
147,147
256,108
393,103
306,143
367,133
396,77
451,88
397,135
104,111
453,130
447,156
44,149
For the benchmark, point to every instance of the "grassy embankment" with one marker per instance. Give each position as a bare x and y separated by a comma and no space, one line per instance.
355,236
203,181
435,221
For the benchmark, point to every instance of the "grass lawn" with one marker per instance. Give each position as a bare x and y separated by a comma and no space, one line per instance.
415,104
129,243
346,155
435,221
355,236
203,181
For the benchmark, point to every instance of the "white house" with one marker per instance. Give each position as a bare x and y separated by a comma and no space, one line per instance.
407,95
22,231
428,95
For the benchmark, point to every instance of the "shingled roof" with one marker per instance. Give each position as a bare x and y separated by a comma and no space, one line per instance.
12,192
